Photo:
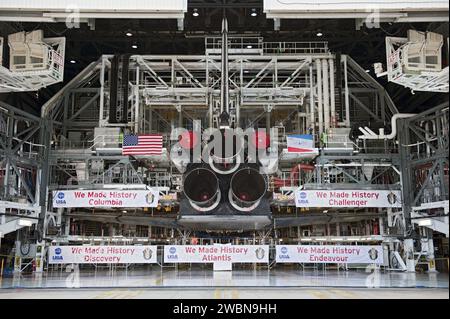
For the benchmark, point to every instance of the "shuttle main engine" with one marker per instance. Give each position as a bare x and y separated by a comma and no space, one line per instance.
247,188
225,157
201,188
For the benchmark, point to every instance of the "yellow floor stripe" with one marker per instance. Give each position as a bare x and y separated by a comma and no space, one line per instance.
345,294
320,295
118,294
134,294
104,295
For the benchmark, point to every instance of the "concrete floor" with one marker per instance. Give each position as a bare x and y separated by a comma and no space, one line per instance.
239,284
228,293
158,278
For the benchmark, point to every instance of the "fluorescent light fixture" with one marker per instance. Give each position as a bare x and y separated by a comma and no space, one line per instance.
129,34
134,46
367,71
124,186
24,222
249,46
73,61
425,222
319,34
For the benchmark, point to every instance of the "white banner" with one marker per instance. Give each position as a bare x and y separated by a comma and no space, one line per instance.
102,254
348,198
106,198
330,254
216,253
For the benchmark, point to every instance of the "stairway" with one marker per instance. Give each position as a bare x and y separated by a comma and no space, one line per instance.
338,104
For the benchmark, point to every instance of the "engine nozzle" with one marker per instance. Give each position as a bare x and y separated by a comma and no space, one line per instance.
247,188
225,155
201,187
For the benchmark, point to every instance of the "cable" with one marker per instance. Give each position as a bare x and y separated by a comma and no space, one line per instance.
56,32
391,34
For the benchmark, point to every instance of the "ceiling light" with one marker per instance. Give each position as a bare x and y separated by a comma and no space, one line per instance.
129,34
254,13
249,46
195,13
425,223
134,46
73,61
367,71
319,34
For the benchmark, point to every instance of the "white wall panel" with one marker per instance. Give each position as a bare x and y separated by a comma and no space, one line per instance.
96,5
349,6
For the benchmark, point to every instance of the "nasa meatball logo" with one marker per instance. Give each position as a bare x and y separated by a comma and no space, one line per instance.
60,199
58,255
284,250
392,198
373,254
303,198
147,253
260,253
172,254
150,198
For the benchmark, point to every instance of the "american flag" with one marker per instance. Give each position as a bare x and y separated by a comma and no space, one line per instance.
151,144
